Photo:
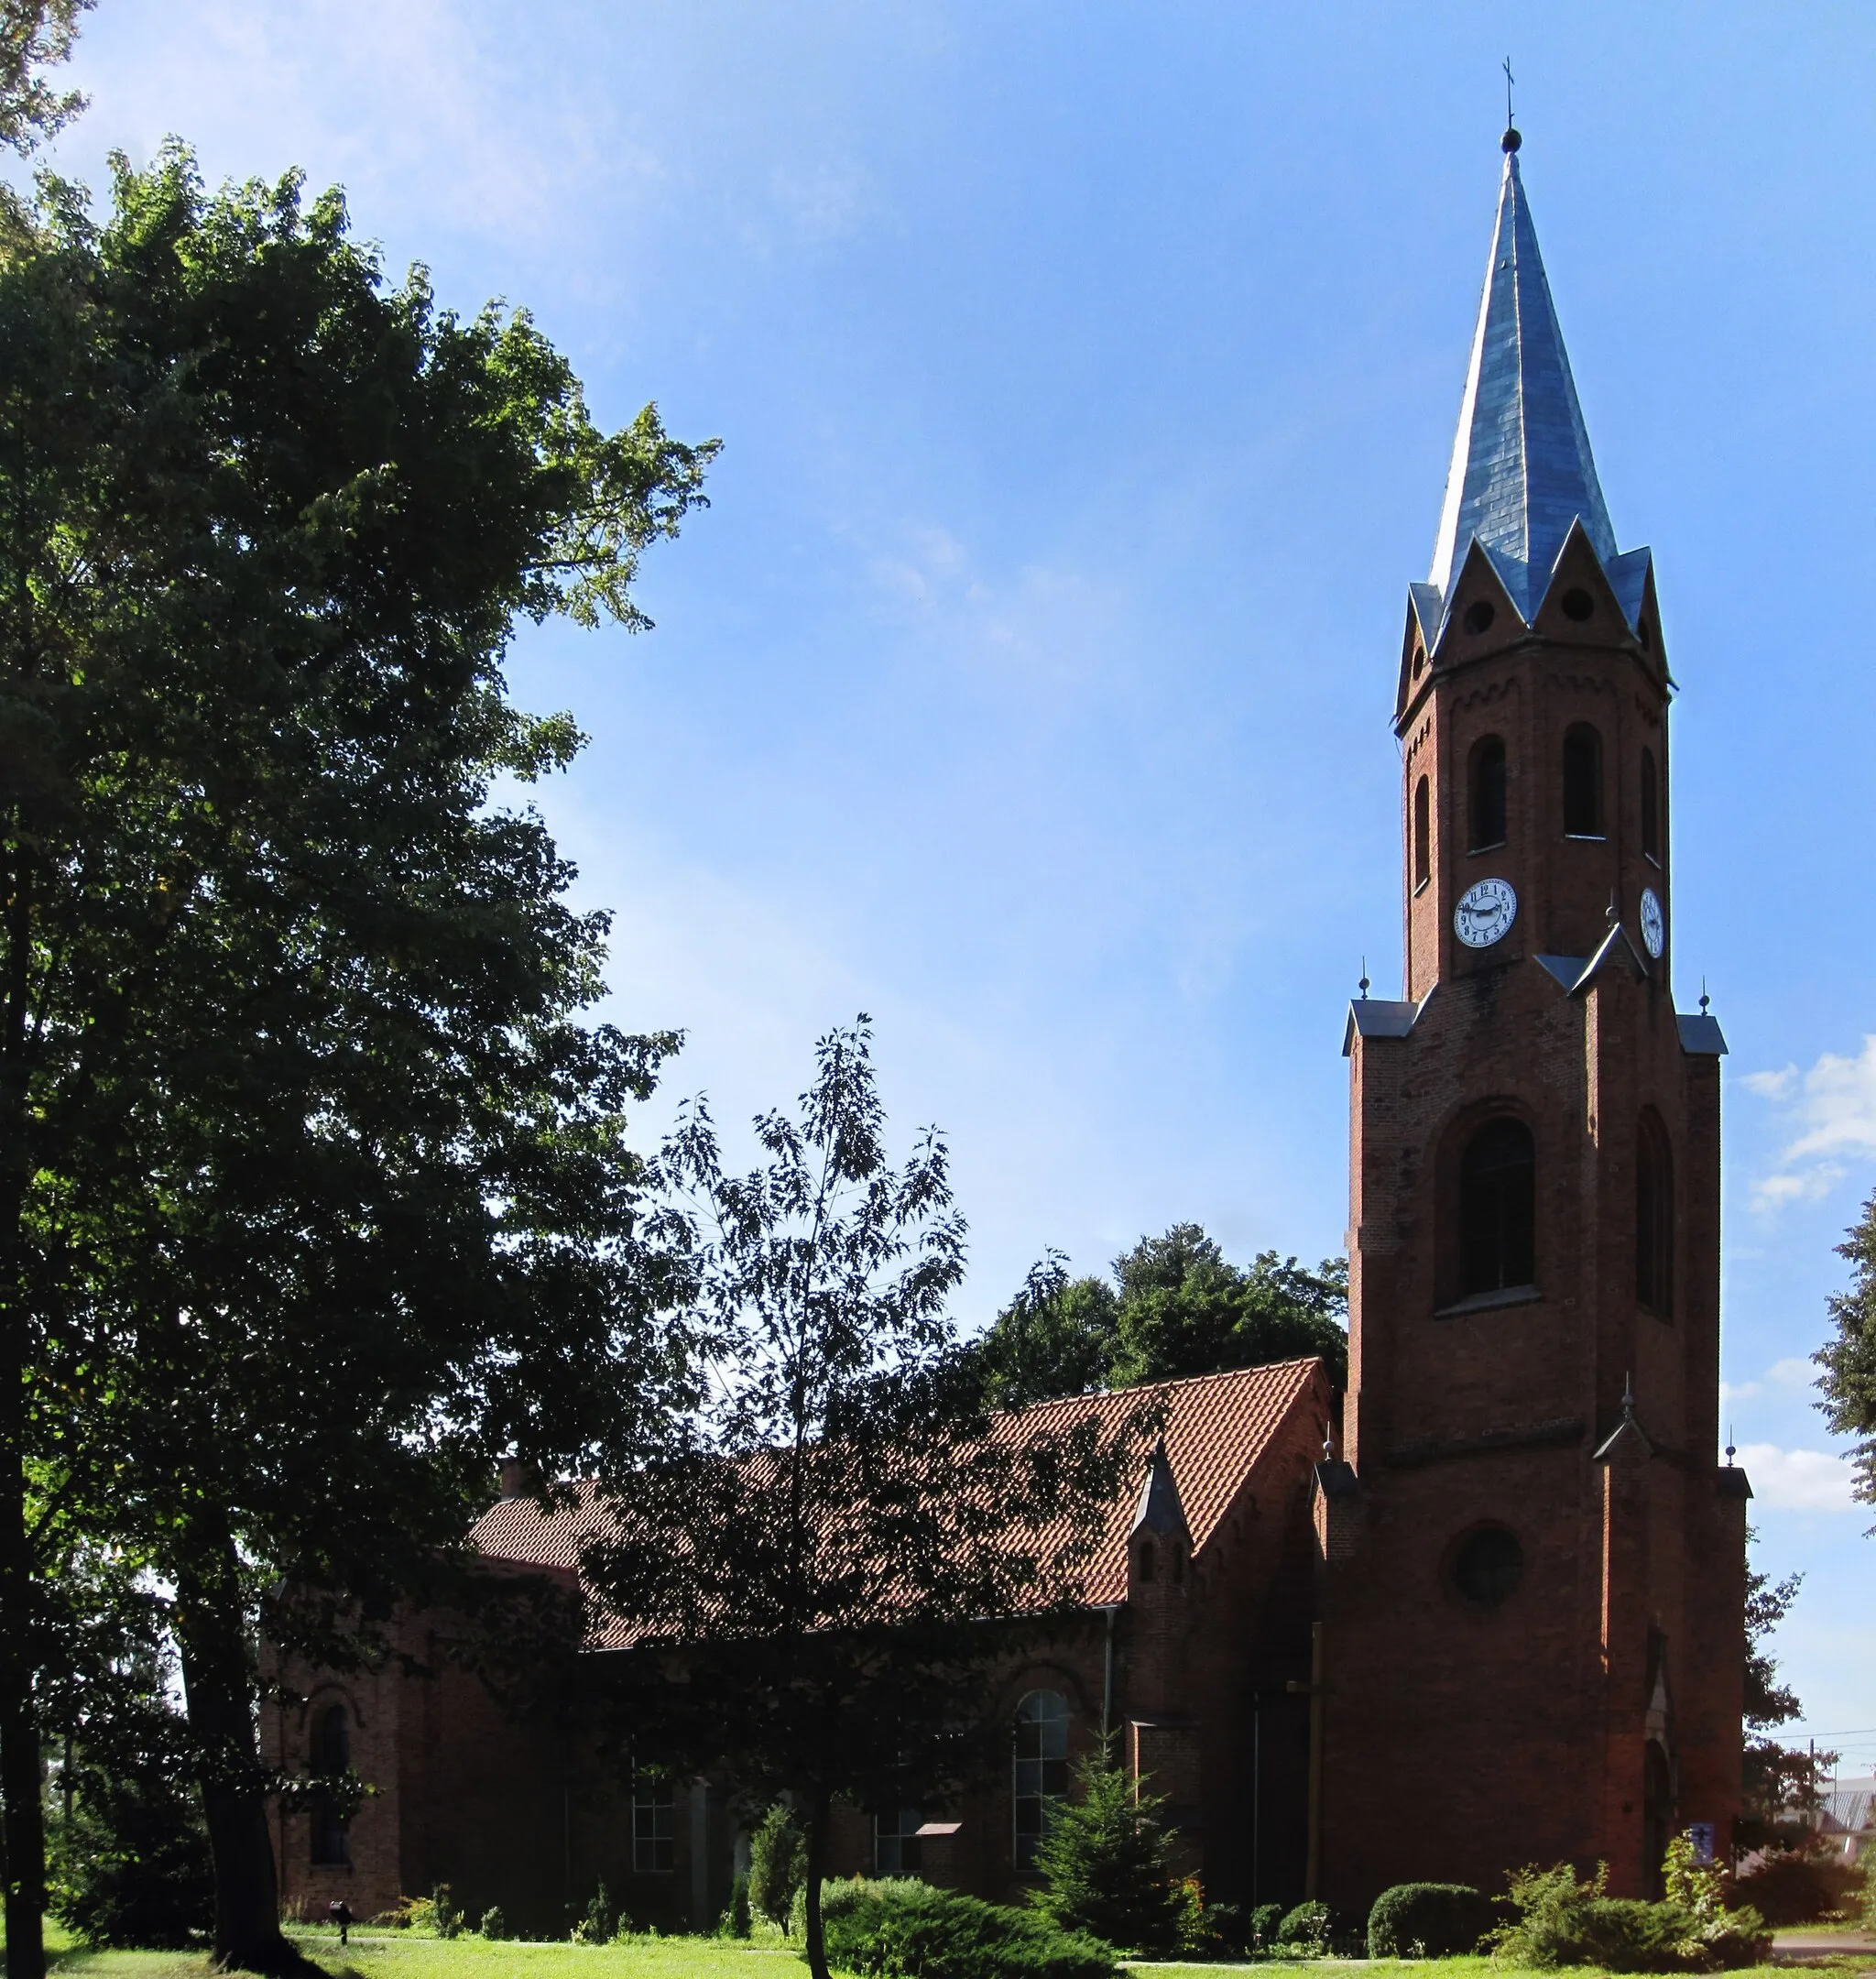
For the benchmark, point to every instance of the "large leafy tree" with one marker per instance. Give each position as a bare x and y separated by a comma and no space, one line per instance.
1849,1362
823,1567
1176,1307
313,1190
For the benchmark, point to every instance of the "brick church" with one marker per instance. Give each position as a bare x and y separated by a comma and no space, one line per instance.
1497,1618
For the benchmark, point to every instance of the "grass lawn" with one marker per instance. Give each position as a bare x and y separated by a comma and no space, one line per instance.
397,1955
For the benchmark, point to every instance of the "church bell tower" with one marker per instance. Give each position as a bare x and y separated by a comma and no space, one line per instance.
1532,1558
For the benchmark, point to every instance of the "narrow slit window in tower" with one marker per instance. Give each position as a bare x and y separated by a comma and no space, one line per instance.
1651,806
1488,794
1498,1209
1655,1220
1582,781
1423,835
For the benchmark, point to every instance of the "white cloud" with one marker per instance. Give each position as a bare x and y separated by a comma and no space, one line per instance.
1832,1110
1798,1479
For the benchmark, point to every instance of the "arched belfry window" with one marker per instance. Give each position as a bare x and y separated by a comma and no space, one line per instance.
1487,792
1655,1218
331,1758
1040,1769
1498,1209
1423,834
1651,806
1582,781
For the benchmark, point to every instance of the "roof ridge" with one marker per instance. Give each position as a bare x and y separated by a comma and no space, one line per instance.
1171,1381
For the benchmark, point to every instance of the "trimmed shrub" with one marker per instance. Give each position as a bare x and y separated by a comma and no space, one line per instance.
1265,1922
493,1925
903,1928
1308,1928
1428,1920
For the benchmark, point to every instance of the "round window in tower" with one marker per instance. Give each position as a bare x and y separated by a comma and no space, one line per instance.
1578,604
1478,616
1488,1567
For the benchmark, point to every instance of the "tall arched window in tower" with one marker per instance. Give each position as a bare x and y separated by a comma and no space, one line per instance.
1498,1209
1423,835
1651,806
1654,1218
1487,792
329,1758
1582,781
1041,1772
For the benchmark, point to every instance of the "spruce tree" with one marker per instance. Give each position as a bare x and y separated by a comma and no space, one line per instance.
1106,1861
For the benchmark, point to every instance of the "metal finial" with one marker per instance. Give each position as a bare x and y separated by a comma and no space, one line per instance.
1732,1448
1705,999
1627,1398
1511,139
1615,912
1364,979
1328,1442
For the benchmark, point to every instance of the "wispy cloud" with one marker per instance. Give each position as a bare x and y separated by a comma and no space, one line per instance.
1798,1479
1832,1113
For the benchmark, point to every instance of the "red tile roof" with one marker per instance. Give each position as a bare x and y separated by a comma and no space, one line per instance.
1218,1429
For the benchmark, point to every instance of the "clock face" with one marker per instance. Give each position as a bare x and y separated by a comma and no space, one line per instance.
1653,924
1485,912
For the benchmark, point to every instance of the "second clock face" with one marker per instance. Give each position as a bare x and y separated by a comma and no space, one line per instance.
1485,912
1653,924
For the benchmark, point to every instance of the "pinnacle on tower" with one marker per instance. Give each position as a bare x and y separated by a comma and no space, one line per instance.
1522,472
1159,1509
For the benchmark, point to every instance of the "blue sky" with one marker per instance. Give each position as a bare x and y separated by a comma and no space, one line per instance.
1088,374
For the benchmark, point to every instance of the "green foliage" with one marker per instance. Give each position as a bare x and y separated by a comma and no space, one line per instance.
735,1921
1307,1929
834,1536
36,34
313,1186
1105,1863
445,1913
1849,1362
131,1867
778,1862
1177,1307
493,1925
1056,1337
600,1923
1561,1921
1428,1920
1779,1782
1265,1928
903,1928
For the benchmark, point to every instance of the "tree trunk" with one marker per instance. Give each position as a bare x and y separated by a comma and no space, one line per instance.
25,1825
211,1628
25,1850
814,1948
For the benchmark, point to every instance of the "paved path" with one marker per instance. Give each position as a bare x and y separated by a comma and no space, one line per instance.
1800,1946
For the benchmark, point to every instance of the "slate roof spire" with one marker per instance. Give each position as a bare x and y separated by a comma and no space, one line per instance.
1159,1509
1522,469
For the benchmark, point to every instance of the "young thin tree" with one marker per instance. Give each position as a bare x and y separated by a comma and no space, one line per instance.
823,1569
314,1197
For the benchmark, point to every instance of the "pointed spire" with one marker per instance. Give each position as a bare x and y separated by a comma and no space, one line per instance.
1160,1510
1522,469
